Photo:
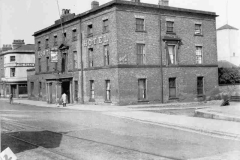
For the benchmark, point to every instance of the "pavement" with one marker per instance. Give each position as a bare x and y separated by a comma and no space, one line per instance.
210,125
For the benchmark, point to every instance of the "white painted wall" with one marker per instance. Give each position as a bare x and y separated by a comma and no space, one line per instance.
228,42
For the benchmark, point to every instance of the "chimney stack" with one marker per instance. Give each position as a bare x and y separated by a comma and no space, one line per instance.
94,4
17,43
164,2
6,47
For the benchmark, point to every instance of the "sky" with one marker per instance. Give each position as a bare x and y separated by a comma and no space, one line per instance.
19,19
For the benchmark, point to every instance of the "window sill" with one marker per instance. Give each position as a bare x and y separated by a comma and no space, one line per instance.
107,101
200,35
173,33
143,31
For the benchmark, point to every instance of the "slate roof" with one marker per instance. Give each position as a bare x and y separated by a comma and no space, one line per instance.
26,47
226,26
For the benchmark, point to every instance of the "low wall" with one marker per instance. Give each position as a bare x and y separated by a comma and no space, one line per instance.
230,89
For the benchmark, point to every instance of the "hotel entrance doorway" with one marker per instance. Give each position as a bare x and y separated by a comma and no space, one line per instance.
66,89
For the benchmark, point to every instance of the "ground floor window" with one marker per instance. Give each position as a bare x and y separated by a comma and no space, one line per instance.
91,89
200,86
22,88
172,88
76,91
142,95
31,88
40,89
108,90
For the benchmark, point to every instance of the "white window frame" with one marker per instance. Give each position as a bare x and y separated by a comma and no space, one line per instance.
196,53
143,55
175,54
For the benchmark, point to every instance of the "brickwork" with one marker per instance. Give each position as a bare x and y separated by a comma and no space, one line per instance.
122,38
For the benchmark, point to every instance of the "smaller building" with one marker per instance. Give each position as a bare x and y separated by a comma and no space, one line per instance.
228,44
14,64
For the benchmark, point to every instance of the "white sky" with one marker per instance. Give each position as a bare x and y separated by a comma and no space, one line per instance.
19,19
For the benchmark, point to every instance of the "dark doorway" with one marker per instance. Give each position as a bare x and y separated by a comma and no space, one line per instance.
14,90
66,89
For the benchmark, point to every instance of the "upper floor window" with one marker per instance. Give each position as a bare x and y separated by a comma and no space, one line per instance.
141,57
90,57
39,45
139,24
55,43
39,64
171,54
74,34
12,58
90,30
199,55
65,35
64,62
12,72
47,63
106,55
75,64
47,43
105,25
198,29
170,26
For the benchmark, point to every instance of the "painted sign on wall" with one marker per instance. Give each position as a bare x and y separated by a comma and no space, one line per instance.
95,41
54,56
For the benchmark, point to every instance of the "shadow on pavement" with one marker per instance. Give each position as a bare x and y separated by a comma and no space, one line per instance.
44,139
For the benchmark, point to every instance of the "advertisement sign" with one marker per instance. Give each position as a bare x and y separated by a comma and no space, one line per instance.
54,56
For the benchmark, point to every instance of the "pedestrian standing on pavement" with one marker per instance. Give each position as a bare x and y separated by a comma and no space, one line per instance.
11,98
64,99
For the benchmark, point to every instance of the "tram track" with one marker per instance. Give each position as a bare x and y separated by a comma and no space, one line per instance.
27,127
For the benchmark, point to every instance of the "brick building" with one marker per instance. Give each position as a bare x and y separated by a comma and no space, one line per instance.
15,60
129,52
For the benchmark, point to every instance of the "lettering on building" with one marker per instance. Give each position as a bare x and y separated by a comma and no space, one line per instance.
94,41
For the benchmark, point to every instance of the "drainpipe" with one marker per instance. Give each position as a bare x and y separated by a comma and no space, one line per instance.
81,64
160,49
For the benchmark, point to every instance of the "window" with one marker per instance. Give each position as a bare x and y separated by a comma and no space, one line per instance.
64,62
40,89
141,58
171,54
142,89
74,35
170,26
108,90
46,43
233,54
90,30
172,87
39,64
32,88
199,55
105,25
198,29
199,86
12,72
64,35
47,63
92,90
12,58
139,24
55,43
22,88
76,91
90,57
75,64
106,55
39,46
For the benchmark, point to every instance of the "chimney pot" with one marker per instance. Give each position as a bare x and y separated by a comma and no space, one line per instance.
136,1
94,4
164,2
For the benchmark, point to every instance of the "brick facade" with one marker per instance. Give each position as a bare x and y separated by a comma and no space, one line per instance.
129,79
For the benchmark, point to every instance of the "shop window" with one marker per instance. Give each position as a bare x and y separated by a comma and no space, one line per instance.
105,25
170,25
90,57
22,88
141,57
12,72
12,58
108,91
92,94
142,88
139,24
74,34
200,86
199,55
106,55
172,87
